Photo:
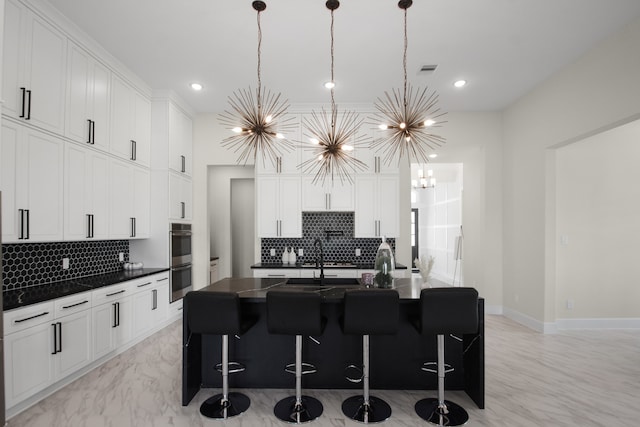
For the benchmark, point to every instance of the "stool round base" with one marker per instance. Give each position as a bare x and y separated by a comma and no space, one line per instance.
377,411
236,404
427,409
287,411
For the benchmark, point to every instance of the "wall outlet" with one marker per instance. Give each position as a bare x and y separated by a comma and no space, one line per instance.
358,252
569,304
300,252
65,263
121,257
272,252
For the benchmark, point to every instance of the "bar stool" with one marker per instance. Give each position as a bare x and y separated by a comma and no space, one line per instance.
218,313
296,313
445,311
369,312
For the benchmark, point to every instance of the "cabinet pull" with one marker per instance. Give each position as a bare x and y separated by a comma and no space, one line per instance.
182,205
59,337
329,200
184,169
21,214
92,235
24,101
28,107
155,299
115,315
89,133
133,227
88,226
180,269
133,149
275,275
144,284
163,279
93,132
74,305
28,220
32,317
55,338
115,293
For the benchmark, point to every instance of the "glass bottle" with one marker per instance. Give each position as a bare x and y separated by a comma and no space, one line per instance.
384,266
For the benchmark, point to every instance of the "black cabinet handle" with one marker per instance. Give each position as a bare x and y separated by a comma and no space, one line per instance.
93,132
89,132
88,225
115,323
144,284
92,235
183,164
155,299
182,204
28,107
133,150
32,317
133,227
28,221
21,214
59,337
118,311
74,305
162,280
55,338
115,293
24,101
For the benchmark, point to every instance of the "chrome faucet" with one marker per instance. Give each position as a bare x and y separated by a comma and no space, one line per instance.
319,260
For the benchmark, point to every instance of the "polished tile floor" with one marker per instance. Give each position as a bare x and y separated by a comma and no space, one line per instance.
574,378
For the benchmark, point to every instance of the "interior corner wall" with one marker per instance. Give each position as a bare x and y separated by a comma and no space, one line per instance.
599,91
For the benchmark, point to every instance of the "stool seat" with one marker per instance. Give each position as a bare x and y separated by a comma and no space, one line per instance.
219,313
445,311
368,312
296,313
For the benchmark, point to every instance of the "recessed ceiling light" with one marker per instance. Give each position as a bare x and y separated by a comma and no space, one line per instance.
329,85
460,83
196,86
433,155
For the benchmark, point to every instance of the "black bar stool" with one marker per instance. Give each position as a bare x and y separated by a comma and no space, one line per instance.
445,311
218,313
296,313
369,312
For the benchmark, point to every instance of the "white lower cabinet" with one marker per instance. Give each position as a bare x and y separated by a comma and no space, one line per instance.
51,342
329,273
276,273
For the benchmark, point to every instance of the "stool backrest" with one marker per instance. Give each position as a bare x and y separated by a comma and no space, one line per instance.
215,313
294,312
371,311
449,310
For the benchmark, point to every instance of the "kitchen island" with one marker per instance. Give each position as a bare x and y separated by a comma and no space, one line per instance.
395,359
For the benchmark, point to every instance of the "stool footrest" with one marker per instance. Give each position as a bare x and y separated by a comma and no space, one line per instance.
234,367
427,367
354,368
307,368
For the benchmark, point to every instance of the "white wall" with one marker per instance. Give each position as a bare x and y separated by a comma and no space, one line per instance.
598,225
598,92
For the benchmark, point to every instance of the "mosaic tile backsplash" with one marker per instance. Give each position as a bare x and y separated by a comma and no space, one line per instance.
335,229
31,264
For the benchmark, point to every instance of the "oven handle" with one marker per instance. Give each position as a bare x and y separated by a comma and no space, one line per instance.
181,268
181,233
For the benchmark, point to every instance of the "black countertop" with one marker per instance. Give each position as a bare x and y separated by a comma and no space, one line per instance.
255,289
345,266
49,291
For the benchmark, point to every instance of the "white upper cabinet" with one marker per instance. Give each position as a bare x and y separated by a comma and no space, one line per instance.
180,141
377,204
334,196
128,200
130,123
375,160
88,95
279,213
85,194
180,197
34,69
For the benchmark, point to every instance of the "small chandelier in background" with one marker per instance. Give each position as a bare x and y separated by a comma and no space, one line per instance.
257,122
406,117
333,136
424,181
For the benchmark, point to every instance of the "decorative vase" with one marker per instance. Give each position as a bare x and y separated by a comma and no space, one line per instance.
292,256
384,266
285,256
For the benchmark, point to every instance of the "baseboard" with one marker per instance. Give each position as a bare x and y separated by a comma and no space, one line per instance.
493,309
529,322
599,323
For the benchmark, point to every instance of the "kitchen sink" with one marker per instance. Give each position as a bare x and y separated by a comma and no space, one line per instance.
330,264
329,281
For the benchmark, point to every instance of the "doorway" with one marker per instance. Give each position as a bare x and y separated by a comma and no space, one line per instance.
242,227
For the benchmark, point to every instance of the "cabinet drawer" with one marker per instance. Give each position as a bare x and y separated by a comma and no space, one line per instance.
72,304
26,317
111,293
276,272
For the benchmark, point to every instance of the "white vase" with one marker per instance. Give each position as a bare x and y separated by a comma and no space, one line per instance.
292,256
285,256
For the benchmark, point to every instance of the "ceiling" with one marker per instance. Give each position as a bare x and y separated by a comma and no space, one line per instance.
503,48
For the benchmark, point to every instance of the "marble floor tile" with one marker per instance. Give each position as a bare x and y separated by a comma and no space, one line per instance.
574,378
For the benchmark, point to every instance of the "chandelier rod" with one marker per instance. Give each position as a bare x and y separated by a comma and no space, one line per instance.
404,60
259,61
333,101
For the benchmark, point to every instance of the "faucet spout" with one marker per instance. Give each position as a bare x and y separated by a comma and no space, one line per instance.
320,258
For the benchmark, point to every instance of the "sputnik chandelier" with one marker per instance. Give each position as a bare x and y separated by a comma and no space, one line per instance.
333,137
407,117
257,122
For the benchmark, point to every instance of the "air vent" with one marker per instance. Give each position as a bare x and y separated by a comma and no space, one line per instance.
427,69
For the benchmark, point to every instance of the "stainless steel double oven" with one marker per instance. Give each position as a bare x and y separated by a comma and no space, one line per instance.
180,257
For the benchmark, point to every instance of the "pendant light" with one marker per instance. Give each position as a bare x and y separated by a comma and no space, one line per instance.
258,122
407,117
333,137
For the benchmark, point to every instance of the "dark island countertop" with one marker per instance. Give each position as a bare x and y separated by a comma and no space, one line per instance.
49,291
298,265
255,289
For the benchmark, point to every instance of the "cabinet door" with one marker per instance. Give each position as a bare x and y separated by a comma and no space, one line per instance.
290,209
14,46
341,196
180,141
268,206
180,197
28,362
78,126
42,183
121,133
104,317
76,221
160,303
120,199
314,196
123,332
142,305
98,195
100,86
46,71
388,206
75,347
141,201
366,206
8,181
141,129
